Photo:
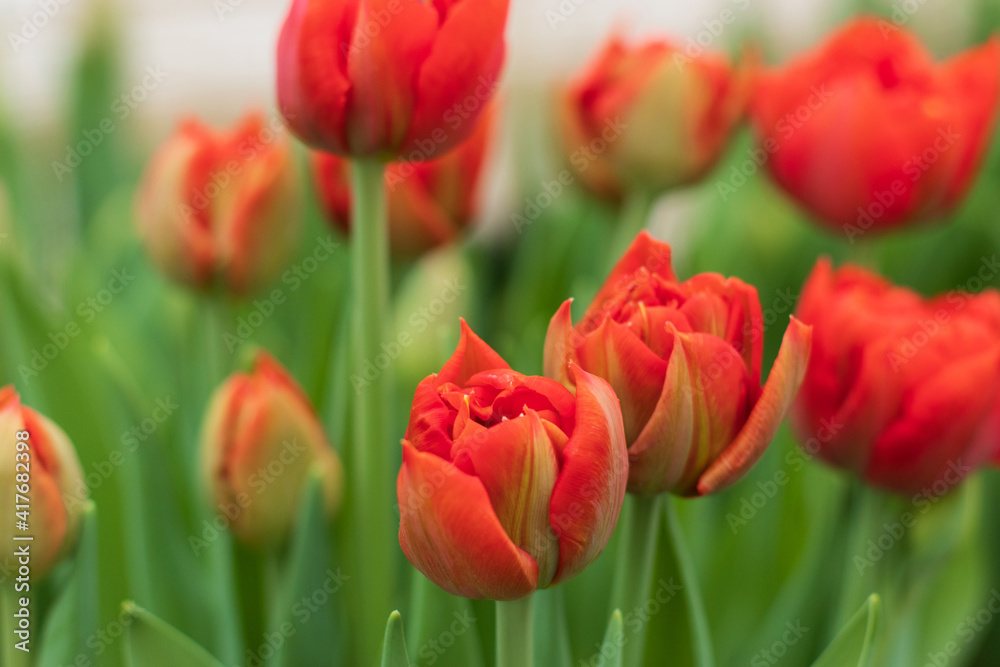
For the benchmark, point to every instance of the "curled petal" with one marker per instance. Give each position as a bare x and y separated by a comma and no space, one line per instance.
559,348
646,256
589,493
471,356
765,418
449,532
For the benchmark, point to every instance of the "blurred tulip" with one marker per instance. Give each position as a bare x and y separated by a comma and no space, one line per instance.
389,78
649,117
260,440
868,132
684,358
221,206
509,483
430,203
903,391
54,481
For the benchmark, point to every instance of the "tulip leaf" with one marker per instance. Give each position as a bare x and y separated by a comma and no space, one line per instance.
74,614
614,640
394,645
305,610
151,642
552,645
854,644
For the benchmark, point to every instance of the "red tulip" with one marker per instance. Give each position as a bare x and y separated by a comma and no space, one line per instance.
388,78
48,473
221,206
509,483
650,117
430,203
684,358
902,390
260,441
868,132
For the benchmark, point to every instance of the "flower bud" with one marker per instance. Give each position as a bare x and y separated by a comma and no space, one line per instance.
430,203
392,79
38,462
684,358
260,440
650,117
221,206
509,482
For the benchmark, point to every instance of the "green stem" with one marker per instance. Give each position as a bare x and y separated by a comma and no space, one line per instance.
14,657
701,634
863,512
634,567
515,633
370,454
631,221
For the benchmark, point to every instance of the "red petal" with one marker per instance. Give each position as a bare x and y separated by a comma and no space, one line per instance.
449,531
588,495
645,256
471,356
782,385
560,350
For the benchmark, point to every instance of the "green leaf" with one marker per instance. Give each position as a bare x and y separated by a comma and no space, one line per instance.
552,646
74,615
614,639
854,644
394,645
311,631
151,642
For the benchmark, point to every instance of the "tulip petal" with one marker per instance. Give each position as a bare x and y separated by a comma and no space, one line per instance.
458,77
645,257
449,531
588,495
471,356
516,462
559,348
704,399
782,385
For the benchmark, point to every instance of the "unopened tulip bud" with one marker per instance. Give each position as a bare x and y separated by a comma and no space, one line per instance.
221,207
39,470
260,440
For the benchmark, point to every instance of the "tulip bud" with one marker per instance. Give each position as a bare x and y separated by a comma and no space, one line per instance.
650,117
509,483
684,358
430,203
868,132
388,78
38,462
904,391
221,206
260,440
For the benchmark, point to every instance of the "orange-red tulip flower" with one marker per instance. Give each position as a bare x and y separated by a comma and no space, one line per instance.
221,207
868,132
684,358
388,78
904,391
509,483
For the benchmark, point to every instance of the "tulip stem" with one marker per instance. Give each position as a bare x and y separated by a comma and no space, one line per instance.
369,454
634,569
515,633
13,656
632,220
701,634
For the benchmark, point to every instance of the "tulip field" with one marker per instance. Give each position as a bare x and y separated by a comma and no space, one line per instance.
688,357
